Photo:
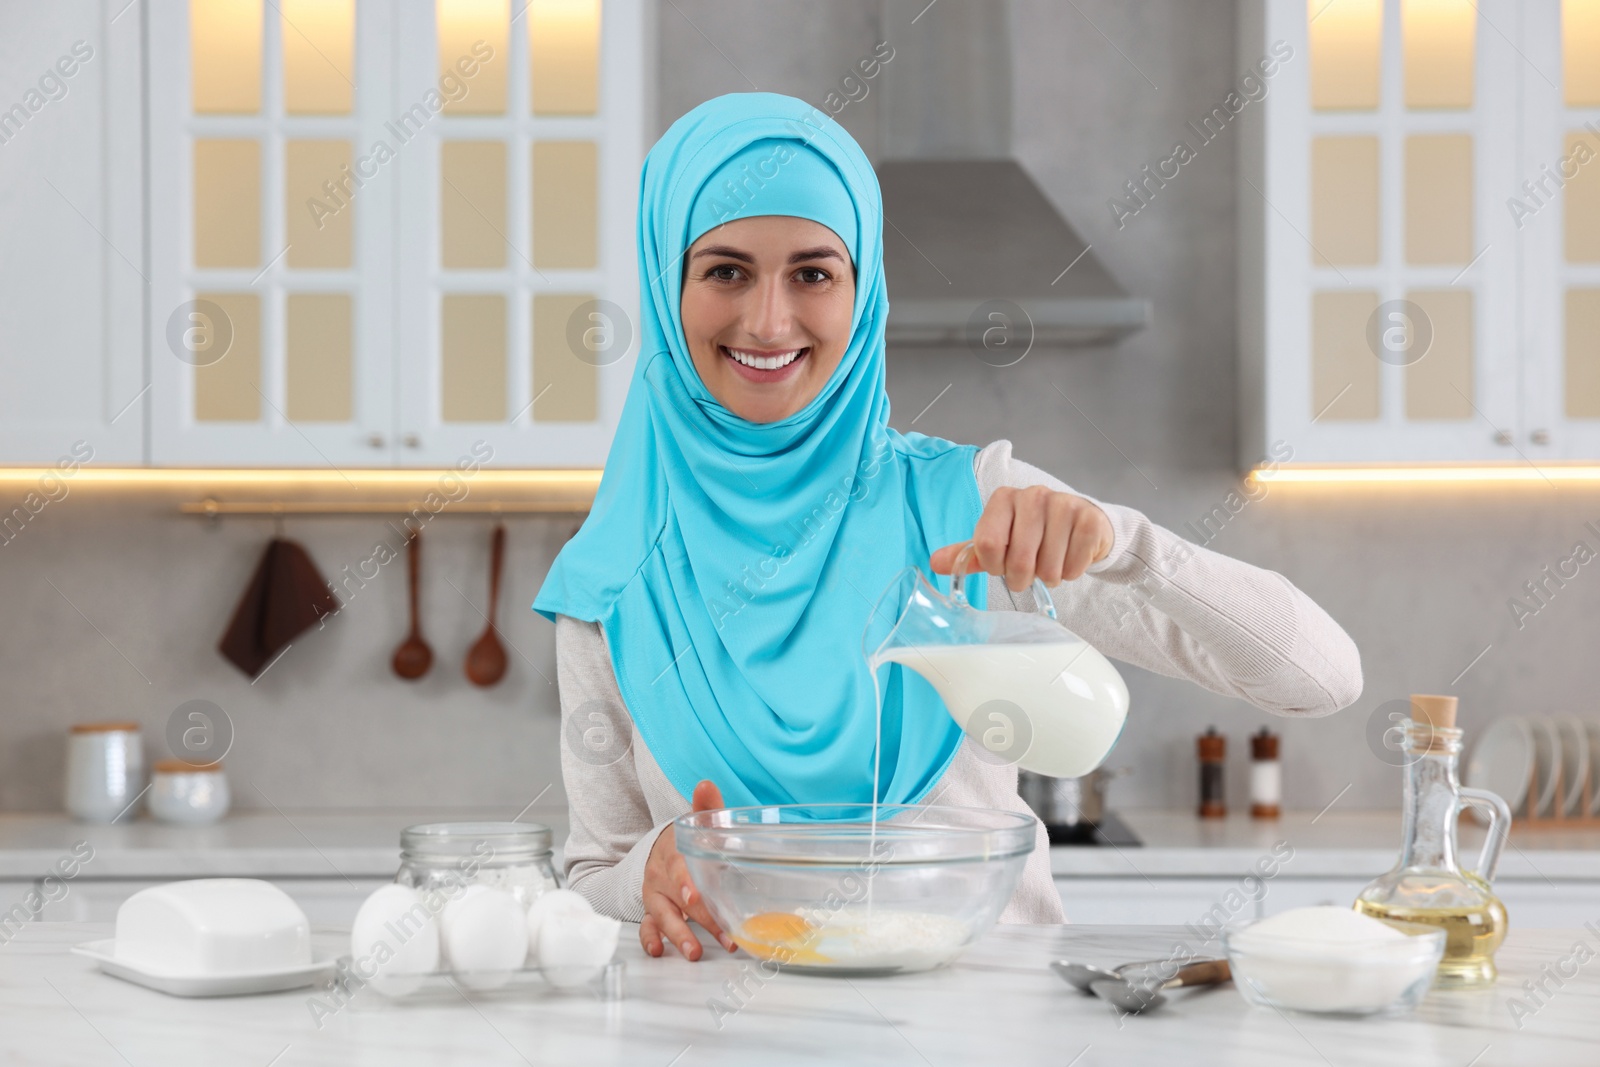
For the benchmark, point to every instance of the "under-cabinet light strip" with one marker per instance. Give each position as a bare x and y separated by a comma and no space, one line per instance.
1443,475
528,482
583,482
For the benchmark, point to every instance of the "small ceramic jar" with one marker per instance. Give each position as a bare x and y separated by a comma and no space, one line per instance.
183,793
105,770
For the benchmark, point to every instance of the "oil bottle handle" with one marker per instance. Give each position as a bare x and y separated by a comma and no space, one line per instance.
1499,826
1041,595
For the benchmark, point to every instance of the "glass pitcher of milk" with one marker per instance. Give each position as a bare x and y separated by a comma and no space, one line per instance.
1024,687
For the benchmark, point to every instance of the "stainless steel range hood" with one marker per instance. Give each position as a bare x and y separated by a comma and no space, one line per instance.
964,224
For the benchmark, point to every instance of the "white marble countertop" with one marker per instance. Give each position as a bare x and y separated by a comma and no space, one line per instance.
1334,844
249,844
998,1004
366,844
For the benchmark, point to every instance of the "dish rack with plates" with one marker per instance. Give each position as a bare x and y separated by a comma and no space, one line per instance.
1589,794
1546,766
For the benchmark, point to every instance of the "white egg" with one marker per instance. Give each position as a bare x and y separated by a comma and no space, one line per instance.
575,947
394,940
485,933
552,902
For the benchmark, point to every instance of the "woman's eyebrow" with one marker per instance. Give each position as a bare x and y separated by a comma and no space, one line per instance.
728,252
820,252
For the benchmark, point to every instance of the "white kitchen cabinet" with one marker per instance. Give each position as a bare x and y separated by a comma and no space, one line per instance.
72,280
1285,893
1530,903
1396,304
1557,230
1533,904
326,901
517,283
1164,901
376,229
90,900
14,891
330,901
270,319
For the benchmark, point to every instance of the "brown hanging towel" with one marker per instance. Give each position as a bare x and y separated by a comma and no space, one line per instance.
286,595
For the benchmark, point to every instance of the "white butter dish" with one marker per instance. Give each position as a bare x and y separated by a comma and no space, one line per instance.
212,927
224,985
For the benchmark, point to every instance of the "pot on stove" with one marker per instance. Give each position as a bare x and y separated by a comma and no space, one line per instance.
1068,801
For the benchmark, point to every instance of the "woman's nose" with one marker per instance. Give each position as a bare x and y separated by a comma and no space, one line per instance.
768,318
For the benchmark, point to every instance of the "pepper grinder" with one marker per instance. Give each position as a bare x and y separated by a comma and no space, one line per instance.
1266,775
1213,750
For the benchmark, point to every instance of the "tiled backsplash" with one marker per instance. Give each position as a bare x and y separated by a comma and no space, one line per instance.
1421,579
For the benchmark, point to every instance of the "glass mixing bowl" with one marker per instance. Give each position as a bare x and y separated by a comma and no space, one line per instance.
820,888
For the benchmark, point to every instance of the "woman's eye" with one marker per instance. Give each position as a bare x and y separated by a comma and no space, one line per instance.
719,275
812,275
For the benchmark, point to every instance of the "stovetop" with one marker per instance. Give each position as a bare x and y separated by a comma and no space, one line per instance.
1110,830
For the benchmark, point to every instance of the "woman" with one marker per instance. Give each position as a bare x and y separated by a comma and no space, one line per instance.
755,502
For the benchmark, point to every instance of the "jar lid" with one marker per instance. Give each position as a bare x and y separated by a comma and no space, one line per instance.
178,766
488,842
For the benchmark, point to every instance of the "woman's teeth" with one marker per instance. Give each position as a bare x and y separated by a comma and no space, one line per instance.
764,362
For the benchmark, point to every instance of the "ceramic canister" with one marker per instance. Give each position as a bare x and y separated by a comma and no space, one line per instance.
185,793
105,769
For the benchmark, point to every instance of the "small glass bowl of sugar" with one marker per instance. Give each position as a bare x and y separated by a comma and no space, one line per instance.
1329,960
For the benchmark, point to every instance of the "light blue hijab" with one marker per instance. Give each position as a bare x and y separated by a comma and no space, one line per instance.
733,565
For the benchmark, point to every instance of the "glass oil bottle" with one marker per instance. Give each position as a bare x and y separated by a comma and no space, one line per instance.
1427,885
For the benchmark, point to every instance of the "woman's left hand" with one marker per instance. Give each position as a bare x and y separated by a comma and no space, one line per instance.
1031,533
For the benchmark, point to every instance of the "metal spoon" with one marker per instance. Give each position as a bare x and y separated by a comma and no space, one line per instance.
1081,976
413,658
486,659
1136,995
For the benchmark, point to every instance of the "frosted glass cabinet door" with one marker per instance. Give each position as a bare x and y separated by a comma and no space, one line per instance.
71,276
1379,274
271,301
518,295
1556,202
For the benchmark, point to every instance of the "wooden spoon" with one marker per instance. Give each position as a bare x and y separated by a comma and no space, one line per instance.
413,658
486,660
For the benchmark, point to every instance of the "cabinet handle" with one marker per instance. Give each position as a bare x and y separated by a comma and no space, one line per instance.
1502,437
413,441
375,440
1540,437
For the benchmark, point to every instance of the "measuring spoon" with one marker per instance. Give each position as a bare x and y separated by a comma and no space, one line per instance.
1080,975
1134,996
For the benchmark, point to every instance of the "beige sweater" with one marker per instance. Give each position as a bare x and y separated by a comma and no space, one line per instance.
1156,601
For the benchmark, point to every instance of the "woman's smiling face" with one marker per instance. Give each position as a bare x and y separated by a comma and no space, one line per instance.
774,291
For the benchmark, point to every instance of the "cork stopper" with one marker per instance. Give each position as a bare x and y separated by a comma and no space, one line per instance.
1436,711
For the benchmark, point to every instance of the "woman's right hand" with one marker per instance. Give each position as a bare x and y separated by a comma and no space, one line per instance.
670,897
